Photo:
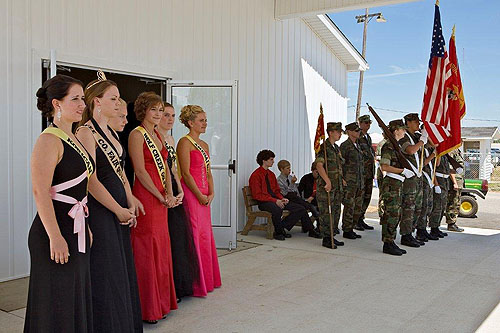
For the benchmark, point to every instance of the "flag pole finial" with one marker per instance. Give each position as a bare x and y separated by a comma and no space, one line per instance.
437,2
320,108
453,31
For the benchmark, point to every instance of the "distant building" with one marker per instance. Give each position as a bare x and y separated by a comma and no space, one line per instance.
477,147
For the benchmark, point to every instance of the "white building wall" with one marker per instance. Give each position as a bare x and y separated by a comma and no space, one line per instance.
182,39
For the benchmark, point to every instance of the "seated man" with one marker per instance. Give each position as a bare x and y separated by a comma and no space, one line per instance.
307,186
289,189
266,191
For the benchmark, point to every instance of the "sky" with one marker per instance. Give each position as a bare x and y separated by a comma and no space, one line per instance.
398,51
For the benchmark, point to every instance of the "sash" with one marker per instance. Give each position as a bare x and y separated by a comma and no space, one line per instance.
206,158
155,152
428,177
415,169
64,137
109,151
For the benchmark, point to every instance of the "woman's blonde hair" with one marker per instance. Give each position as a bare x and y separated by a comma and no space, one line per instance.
189,112
92,91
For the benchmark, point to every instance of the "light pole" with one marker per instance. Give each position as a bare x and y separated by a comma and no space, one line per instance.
365,19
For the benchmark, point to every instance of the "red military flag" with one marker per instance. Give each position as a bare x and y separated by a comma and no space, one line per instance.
435,105
320,130
456,102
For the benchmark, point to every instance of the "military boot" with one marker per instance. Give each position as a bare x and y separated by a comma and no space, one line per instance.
430,236
421,235
408,240
365,226
437,232
327,242
389,248
442,233
454,227
397,247
421,243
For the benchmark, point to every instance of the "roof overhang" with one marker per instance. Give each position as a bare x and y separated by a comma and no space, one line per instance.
337,42
285,9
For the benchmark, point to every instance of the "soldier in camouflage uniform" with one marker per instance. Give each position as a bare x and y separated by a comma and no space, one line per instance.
331,182
354,177
440,195
412,188
392,189
428,190
456,183
365,142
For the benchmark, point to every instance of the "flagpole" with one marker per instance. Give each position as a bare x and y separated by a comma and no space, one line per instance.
328,192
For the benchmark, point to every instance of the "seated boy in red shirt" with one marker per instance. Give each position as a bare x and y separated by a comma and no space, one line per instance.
266,191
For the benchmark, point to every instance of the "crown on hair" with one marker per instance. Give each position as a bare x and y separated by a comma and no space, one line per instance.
100,78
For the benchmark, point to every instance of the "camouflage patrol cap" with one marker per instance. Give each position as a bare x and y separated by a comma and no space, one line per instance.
411,116
396,124
365,119
352,127
334,127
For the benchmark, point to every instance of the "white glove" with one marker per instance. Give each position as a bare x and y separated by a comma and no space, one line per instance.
424,138
459,170
437,189
407,173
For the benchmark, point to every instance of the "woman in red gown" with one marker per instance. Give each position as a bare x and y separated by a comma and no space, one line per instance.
153,187
198,188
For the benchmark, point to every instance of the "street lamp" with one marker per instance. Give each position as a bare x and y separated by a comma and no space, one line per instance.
365,19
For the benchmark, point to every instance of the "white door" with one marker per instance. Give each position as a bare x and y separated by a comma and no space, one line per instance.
219,100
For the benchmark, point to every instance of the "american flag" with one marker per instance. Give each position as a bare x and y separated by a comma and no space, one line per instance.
435,106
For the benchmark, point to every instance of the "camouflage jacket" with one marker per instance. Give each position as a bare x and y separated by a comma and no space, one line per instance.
353,166
457,155
409,140
443,168
334,161
365,143
388,156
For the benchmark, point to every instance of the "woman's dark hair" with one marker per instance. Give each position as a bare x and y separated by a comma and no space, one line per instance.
264,155
313,166
54,88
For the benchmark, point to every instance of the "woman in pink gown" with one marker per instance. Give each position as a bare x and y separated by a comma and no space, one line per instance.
198,188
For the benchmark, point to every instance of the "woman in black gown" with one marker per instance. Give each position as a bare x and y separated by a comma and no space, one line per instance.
59,297
116,304
184,258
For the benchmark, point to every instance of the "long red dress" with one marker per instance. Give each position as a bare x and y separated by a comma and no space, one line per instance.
201,223
151,246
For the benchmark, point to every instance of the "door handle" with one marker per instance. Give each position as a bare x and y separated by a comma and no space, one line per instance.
232,166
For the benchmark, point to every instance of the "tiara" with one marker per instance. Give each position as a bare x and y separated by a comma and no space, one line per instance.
100,78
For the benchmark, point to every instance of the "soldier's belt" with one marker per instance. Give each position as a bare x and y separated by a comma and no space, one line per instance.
441,175
395,176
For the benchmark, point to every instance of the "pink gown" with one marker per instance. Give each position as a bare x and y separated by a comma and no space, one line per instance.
201,224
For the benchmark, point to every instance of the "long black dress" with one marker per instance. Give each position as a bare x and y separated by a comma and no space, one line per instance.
59,297
184,258
115,296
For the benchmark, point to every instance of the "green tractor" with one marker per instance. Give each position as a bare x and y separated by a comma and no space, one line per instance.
468,201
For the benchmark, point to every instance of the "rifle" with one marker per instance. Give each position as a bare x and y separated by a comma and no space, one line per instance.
401,158
454,163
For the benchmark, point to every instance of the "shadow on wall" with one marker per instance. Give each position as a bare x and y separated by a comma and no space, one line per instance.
317,90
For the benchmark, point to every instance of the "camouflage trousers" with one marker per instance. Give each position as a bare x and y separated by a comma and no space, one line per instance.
380,180
412,204
353,202
452,206
391,199
419,203
427,200
367,197
439,204
324,216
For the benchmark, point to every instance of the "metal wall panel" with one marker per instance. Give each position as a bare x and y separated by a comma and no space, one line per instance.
185,39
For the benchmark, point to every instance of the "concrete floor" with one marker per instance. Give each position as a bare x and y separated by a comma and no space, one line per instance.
450,285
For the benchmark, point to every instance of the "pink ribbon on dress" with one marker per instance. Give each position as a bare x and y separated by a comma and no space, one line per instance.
78,212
